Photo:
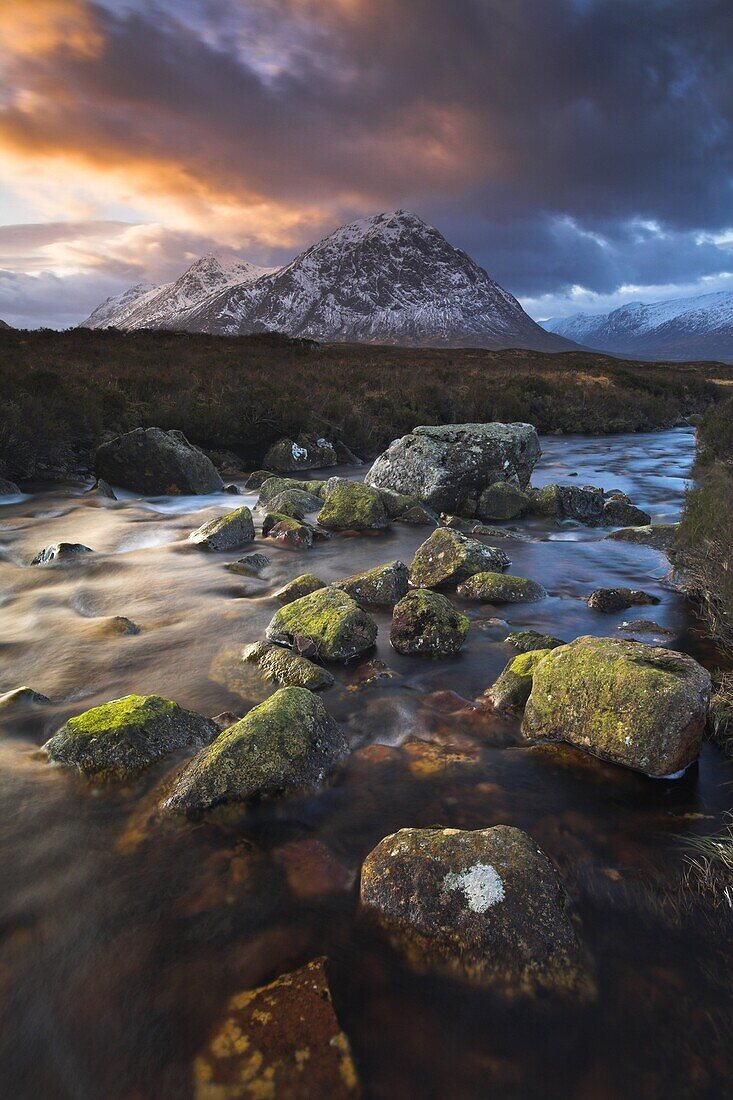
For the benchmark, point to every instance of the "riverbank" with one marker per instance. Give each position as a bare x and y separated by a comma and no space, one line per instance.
64,392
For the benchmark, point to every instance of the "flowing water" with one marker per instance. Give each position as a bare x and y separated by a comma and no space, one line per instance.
123,936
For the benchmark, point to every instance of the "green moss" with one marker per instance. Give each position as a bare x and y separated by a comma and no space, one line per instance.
425,623
302,585
511,689
501,588
132,710
329,618
544,501
352,506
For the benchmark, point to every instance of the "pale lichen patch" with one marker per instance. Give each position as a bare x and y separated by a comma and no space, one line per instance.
480,884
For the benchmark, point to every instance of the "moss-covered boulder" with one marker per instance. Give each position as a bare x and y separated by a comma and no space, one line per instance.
660,536
330,619
352,506
288,531
382,586
425,624
281,1041
407,509
627,702
251,565
545,501
117,740
286,668
609,600
622,513
486,905
501,588
526,640
231,531
510,691
300,586
301,454
285,745
502,500
61,553
295,502
152,461
449,556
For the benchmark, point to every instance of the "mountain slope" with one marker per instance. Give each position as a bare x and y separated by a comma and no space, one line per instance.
684,328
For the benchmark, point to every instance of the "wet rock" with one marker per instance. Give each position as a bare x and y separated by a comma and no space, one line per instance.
334,623
627,702
426,624
501,588
231,531
119,625
119,739
279,1041
287,744
312,870
226,719
449,556
608,600
407,509
295,502
251,565
352,506
287,531
486,905
526,640
582,502
61,553
621,513
286,668
345,455
256,478
152,461
100,488
646,628
545,501
233,490
447,465
660,536
502,500
305,454
300,586
19,701
510,691
8,488
382,586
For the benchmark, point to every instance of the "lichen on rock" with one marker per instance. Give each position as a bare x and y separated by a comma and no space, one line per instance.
283,667
382,586
231,531
425,624
332,620
510,691
449,556
501,588
352,506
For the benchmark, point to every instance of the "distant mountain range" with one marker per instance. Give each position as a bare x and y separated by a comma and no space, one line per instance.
681,329
388,279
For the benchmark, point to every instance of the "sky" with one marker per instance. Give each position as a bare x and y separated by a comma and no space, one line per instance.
580,150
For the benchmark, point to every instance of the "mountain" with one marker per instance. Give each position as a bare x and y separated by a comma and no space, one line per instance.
103,316
681,329
4,324
388,279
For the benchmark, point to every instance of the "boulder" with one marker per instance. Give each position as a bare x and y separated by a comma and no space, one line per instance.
426,624
632,704
448,465
382,586
345,455
61,553
251,565
510,691
152,461
231,531
256,479
287,531
526,640
285,745
582,502
100,488
335,624
305,454
621,513
300,586
295,502
545,501
286,668
660,536
281,1040
501,588
449,556
352,506
609,600
117,740
8,488
502,500
487,905
407,509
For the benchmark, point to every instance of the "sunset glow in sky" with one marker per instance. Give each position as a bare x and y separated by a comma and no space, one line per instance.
580,150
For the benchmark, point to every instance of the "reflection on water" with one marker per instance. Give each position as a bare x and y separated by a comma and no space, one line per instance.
123,936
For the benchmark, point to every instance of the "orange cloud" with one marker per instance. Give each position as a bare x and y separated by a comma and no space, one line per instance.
34,27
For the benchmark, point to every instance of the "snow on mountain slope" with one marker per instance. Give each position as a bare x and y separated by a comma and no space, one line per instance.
103,316
682,328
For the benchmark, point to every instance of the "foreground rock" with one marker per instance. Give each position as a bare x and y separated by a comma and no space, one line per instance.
251,565
284,745
300,586
660,536
448,466
527,640
155,462
117,740
330,619
486,905
228,532
382,586
60,553
503,500
501,588
510,691
627,702
622,513
281,1040
287,668
304,454
288,531
449,556
352,506
425,624
608,600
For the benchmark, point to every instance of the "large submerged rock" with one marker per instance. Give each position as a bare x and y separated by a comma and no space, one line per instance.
425,624
382,586
449,556
501,588
231,531
328,618
149,460
352,506
286,668
485,904
633,704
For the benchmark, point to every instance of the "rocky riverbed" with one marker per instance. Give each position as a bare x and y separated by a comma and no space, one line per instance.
155,910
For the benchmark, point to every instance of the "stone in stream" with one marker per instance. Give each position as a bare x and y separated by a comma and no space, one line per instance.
487,905
333,622
61,553
281,1041
287,668
609,600
305,454
287,531
117,740
8,488
407,509
622,513
632,704
256,479
100,488
285,745
660,536
294,502
510,691
425,624
448,466
449,556
151,461
502,500
299,586
251,565
382,586
526,640
272,486
20,704
231,531
501,588
352,506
